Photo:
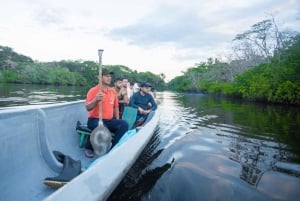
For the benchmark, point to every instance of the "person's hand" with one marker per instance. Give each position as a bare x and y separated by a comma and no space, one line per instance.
141,110
99,97
147,111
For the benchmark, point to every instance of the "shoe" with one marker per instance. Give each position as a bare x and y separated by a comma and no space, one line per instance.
139,122
89,153
138,128
71,169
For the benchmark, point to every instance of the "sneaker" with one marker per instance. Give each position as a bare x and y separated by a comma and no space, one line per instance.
139,122
89,153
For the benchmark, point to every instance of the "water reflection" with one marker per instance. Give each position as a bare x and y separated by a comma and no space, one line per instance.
28,94
203,134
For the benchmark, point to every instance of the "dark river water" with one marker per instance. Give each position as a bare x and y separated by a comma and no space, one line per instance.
205,148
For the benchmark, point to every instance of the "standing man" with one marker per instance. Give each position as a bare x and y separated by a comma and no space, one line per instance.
122,95
143,102
110,110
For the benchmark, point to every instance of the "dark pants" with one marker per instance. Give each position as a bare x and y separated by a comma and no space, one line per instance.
144,116
118,127
121,109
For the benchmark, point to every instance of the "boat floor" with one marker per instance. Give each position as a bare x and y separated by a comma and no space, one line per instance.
28,138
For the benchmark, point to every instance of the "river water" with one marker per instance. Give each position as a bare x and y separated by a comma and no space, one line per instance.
204,148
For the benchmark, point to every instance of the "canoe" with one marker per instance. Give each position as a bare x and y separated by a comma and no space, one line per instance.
30,134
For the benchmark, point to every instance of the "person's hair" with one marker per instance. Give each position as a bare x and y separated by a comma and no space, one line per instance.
118,79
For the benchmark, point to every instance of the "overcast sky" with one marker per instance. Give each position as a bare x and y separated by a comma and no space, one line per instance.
161,36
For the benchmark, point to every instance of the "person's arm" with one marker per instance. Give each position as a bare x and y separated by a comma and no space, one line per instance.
126,99
132,103
92,104
153,103
116,113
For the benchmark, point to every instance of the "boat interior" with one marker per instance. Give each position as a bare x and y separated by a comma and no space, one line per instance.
29,135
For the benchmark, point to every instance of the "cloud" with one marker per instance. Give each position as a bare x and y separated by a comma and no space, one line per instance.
156,35
49,16
170,25
197,25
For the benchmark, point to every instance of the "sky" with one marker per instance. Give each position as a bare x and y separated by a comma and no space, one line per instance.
160,36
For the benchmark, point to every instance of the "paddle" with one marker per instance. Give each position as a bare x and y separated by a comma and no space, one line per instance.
101,136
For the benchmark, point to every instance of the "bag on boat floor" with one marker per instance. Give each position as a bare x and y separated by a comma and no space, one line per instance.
71,168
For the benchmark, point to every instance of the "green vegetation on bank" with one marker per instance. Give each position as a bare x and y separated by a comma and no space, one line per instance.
16,68
266,68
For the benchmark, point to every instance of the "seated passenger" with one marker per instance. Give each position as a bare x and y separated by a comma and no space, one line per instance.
110,110
121,94
141,101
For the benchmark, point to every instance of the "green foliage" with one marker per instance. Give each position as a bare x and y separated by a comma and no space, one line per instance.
16,68
287,93
276,82
8,76
180,83
7,56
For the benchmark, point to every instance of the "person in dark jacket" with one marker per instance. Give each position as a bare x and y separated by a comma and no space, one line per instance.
143,102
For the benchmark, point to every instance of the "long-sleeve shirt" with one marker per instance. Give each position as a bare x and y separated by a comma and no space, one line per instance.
139,100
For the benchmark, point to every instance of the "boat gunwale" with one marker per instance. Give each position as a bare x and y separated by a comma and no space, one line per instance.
91,184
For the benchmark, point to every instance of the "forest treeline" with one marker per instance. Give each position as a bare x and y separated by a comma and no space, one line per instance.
17,68
264,66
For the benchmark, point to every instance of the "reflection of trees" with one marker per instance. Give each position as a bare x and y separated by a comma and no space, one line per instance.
251,174
279,123
257,156
139,180
249,156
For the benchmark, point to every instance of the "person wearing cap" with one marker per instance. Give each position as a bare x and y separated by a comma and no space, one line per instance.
110,110
143,102
121,94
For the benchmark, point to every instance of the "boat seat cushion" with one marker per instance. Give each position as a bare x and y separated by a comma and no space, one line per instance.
83,131
82,127
129,115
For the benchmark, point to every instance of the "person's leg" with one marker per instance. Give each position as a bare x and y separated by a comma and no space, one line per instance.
121,109
140,119
149,117
92,123
118,127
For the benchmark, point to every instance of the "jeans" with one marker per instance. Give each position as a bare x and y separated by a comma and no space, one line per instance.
118,127
146,117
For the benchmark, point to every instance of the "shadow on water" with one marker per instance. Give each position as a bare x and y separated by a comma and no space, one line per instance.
140,179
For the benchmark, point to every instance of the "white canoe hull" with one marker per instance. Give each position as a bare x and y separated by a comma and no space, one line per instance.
30,134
